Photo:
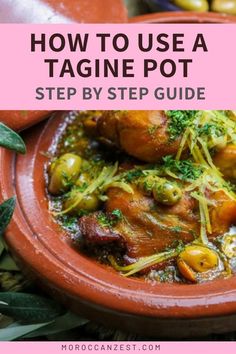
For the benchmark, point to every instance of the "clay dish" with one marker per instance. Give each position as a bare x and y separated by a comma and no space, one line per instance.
63,11
19,120
96,291
184,17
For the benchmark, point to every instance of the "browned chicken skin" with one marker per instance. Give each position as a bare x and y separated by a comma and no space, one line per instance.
144,135
141,134
225,160
148,228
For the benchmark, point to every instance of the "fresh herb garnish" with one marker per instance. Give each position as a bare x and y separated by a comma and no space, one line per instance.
69,222
185,169
179,121
117,213
176,229
67,180
103,220
82,187
210,129
110,219
133,175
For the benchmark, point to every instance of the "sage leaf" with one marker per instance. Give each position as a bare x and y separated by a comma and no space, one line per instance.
60,324
29,308
6,212
17,331
11,140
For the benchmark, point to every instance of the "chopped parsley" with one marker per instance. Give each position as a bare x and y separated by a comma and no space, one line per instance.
178,122
117,213
178,245
82,187
133,175
69,223
176,229
110,219
210,129
103,220
185,169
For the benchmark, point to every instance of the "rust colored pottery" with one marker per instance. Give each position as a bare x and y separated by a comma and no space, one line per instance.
184,17
19,120
62,11
95,291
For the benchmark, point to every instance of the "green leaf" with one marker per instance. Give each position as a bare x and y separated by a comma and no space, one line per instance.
16,331
1,247
11,140
6,212
7,262
63,323
29,308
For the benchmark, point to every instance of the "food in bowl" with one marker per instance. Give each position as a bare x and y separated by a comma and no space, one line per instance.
222,6
149,193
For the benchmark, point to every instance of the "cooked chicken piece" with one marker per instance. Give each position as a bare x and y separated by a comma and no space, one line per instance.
147,227
141,134
225,160
222,214
95,233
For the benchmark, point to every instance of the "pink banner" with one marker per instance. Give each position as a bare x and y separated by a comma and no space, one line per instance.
118,347
128,66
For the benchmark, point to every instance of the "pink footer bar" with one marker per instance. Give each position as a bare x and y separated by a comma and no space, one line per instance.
118,347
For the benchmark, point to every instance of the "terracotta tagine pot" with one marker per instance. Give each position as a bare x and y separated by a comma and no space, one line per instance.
93,290
97,292
19,120
63,11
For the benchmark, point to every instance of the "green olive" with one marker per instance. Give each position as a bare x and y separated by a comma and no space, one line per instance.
196,259
225,6
167,193
63,172
145,184
192,5
83,179
88,203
